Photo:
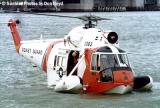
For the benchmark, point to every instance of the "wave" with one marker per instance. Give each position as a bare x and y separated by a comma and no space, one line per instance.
156,85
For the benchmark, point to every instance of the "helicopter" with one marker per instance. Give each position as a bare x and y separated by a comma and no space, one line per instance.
86,60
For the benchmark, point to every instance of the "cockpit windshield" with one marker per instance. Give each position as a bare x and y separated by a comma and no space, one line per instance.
108,61
102,61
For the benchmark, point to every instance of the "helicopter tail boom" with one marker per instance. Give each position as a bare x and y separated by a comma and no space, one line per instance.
15,34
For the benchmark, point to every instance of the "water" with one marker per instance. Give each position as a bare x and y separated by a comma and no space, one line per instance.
23,86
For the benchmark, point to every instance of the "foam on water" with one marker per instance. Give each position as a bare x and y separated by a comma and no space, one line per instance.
156,85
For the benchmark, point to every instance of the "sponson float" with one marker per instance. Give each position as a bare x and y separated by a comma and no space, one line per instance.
87,60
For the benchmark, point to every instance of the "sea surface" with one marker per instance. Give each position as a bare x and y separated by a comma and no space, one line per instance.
24,86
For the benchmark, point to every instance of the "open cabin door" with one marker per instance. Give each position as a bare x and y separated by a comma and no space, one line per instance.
72,61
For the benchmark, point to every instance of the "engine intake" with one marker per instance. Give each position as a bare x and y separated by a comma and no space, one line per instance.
112,37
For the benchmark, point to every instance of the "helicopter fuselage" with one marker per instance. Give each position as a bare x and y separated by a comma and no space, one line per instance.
87,59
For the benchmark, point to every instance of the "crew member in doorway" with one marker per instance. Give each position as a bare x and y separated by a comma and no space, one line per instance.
72,61
75,57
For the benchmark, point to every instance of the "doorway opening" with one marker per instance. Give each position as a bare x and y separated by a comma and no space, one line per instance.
72,61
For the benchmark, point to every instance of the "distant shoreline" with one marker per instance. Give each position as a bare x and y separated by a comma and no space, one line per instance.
17,8
11,10
6,6
50,11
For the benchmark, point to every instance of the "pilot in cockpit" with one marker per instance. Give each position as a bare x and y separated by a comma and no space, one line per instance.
105,77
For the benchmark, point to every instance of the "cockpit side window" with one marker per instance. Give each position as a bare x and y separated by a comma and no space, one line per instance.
123,59
95,64
107,61
104,61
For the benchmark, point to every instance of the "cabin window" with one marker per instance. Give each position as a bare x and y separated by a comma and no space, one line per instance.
63,61
60,61
55,60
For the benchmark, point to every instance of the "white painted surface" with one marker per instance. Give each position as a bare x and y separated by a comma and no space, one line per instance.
120,90
69,84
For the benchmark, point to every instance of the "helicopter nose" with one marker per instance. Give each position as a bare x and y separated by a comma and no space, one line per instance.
123,77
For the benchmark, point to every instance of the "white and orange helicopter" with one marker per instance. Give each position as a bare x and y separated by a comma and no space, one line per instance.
87,60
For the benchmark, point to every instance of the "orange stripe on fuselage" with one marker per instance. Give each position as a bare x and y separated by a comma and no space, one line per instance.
16,37
46,55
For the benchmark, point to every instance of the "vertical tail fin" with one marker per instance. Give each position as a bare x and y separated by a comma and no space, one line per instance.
16,37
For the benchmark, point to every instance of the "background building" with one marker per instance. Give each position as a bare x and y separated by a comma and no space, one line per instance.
85,5
108,5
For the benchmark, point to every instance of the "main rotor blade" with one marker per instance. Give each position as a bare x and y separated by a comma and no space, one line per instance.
84,18
53,15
